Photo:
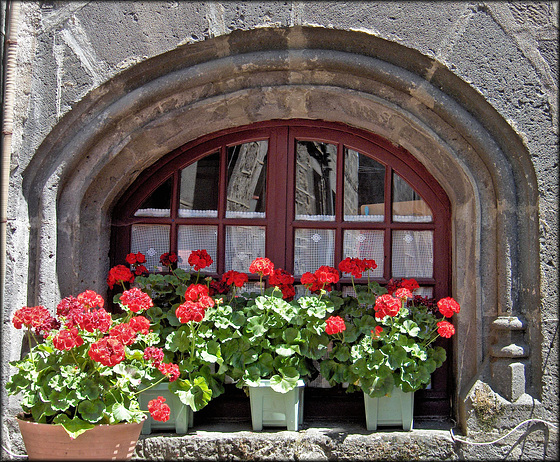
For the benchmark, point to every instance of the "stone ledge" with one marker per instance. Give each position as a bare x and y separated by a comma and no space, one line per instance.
321,442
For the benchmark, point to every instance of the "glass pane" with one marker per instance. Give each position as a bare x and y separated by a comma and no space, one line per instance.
364,188
413,254
407,203
191,238
158,204
243,245
361,243
315,180
199,188
152,241
246,183
312,249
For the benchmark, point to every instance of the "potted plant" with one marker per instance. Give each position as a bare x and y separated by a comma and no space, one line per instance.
271,353
81,380
187,318
383,344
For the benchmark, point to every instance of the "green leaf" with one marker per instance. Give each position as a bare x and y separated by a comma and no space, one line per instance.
120,413
178,340
92,411
74,427
196,394
411,328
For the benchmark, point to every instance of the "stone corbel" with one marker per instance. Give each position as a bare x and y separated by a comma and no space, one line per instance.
509,357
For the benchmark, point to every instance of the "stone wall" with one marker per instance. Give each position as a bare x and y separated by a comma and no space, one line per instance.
105,89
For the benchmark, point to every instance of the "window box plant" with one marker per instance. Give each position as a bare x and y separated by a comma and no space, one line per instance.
83,376
383,340
188,320
271,353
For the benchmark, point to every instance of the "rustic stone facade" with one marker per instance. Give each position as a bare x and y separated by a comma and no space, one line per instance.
105,89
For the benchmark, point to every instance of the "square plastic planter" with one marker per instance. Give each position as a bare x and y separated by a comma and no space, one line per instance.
390,411
270,408
180,419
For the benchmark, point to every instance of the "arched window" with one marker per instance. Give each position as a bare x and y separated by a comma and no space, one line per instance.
304,194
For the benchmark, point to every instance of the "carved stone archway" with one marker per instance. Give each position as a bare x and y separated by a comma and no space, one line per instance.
128,123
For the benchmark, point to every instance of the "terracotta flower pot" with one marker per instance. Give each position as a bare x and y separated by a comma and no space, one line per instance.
104,442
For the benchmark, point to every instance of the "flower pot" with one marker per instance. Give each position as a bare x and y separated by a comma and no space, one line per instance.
390,411
103,442
270,408
181,416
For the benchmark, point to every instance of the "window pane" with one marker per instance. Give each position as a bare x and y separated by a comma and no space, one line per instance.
315,180
191,238
243,245
312,249
361,243
152,241
246,184
407,203
413,254
158,204
364,188
199,188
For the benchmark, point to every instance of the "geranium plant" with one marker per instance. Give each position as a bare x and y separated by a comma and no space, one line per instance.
188,314
384,337
275,336
87,366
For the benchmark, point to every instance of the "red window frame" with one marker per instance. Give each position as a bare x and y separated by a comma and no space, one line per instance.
282,136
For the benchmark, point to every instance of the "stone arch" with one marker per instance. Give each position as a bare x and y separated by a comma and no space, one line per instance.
128,123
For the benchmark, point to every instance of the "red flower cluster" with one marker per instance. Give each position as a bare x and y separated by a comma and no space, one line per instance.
136,300
169,369
140,324
448,306
234,278
36,317
335,324
119,275
403,293
67,339
159,410
200,259
386,305
154,354
107,351
91,299
322,278
284,281
262,266
90,321
377,332
124,333
445,329
168,259
356,266
136,260
409,284
194,308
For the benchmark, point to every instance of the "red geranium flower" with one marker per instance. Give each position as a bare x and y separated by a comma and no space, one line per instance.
67,339
31,317
195,291
386,305
136,300
448,306
335,324
445,329
409,284
403,293
91,320
168,258
154,354
171,370
158,409
262,266
125,333
354,266
235,278
190,311
140,324
200,259
119,275
107,351
377,332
